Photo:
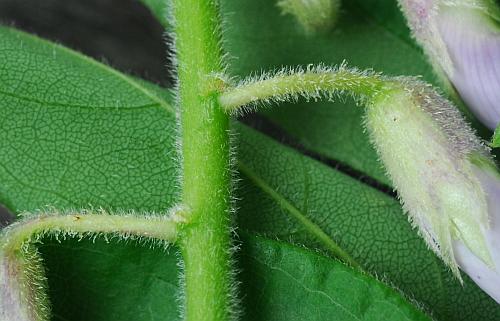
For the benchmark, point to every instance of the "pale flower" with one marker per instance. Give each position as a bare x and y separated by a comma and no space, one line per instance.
462,40
444,176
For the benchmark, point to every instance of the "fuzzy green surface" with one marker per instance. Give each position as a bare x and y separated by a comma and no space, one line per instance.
123,157
83,224
23,285
261,39
206,175
433,176
313,84
369,34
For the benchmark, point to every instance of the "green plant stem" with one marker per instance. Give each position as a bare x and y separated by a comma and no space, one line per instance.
154,227
311,84
23,285
205,242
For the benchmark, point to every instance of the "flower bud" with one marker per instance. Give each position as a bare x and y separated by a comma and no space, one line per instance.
431,155
462,40
22,286
488,278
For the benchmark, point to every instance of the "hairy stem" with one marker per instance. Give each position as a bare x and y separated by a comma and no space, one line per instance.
154,227
314,83
23,287
205,243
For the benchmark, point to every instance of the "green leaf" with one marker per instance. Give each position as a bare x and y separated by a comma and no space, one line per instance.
495,141
101,281
158,9
287,283
279,282
78,134
86,132
365,223
370,34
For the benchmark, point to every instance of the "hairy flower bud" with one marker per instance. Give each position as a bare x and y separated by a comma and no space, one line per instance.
22,286
486,277
437,165
462,40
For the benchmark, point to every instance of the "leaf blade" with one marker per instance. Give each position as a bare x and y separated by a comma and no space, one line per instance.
367,224
301,181
322,288
97,96
275,273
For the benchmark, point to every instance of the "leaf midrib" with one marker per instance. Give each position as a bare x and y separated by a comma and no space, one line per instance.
99,65
294,212
56,104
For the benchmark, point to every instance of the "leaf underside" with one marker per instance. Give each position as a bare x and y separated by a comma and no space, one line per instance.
279,282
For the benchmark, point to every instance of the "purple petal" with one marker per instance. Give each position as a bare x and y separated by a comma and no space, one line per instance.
473,43
22,287
487,278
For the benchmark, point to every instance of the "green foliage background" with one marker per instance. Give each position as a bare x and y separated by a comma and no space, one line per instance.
76,133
